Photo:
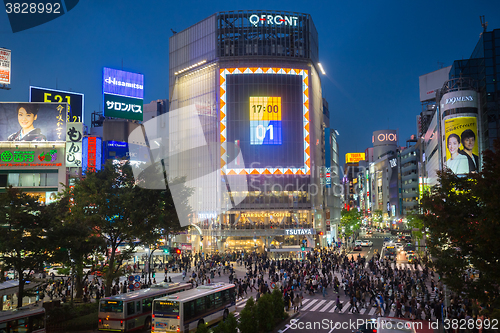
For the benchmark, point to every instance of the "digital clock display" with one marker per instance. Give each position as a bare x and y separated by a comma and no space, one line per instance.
265,120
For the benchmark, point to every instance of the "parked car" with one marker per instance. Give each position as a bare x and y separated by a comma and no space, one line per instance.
357,248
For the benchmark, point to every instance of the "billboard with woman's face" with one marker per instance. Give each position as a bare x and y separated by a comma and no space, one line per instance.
33,121
461,145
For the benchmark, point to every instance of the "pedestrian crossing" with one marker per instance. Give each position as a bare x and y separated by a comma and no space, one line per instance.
317,305
403,266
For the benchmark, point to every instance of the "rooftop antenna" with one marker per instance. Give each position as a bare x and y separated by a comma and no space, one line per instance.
484,24
173,31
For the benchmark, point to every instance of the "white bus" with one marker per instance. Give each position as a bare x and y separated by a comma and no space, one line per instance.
29,319
185,311
132,311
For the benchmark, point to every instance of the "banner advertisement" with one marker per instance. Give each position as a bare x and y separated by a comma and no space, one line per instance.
123,107
74,136
461,142
354,157
92,154
29,157
5,67
75,101
122,83
33,121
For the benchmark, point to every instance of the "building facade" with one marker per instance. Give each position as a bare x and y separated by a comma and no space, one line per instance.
251,78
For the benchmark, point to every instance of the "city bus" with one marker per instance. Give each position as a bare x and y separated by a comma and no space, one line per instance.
132,311
29,319
185,311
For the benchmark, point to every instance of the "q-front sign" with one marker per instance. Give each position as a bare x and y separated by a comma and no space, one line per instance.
267,19
299,232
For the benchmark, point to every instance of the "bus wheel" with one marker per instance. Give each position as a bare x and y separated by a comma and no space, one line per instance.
201,322
147,323
225,315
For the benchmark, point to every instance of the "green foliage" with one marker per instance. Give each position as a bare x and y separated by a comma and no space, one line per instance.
68,311
462,217
248,317
23,240
350,220
377,215
415,221
228,326
278,304
265,313
203,328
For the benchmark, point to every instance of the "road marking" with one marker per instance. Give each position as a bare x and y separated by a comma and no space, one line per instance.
344,308
327,306
309,304
332,310
316,307
362,311
372,311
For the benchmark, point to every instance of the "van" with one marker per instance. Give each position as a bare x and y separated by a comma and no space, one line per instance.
357,243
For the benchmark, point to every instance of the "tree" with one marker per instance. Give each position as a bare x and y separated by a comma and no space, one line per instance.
278,304
73,241
265,313
350,221
377,216
248,317
230,325
23,240
461,214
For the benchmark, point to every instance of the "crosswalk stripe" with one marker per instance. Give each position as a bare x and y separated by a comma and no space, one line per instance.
309,304
362,311
344,308
305,300
372,311
327,306
316,307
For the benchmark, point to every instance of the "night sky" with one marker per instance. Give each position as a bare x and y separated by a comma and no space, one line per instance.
373,52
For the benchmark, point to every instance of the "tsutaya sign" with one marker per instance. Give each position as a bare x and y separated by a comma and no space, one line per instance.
273,19
296,232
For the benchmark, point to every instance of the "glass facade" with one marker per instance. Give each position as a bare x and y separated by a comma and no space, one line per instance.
484,66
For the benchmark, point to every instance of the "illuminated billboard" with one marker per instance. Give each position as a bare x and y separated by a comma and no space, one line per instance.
74,100
384,137
265,112
461,145
123,107
117,82
354,157
33,121
5,66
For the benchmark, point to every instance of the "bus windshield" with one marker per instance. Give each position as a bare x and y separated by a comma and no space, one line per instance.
111,306
390,251
166,307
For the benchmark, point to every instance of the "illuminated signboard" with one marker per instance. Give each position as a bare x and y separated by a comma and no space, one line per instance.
75,101
384,137
91,154
5,66
268,19
265,120
74,136
265,111
33,121
461,154
117,82
123,107
354,157
30,158
290,232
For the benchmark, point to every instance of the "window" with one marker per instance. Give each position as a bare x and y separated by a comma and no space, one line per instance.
189,311
146,305
138,306
130,308
3,180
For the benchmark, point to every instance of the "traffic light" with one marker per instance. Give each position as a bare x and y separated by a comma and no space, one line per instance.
303,248
321,233
178,251
166,251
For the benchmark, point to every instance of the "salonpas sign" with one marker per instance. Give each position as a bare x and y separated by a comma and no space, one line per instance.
294,232
459,99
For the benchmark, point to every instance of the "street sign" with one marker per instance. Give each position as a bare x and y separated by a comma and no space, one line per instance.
131,278
137,278
131,287
137,285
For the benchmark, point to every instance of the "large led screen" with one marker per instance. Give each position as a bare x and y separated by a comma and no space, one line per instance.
265,112
33,121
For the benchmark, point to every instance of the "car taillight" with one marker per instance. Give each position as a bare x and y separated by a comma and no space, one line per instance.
374,331
178,328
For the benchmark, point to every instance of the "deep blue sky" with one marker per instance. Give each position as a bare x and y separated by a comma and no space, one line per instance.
373,52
